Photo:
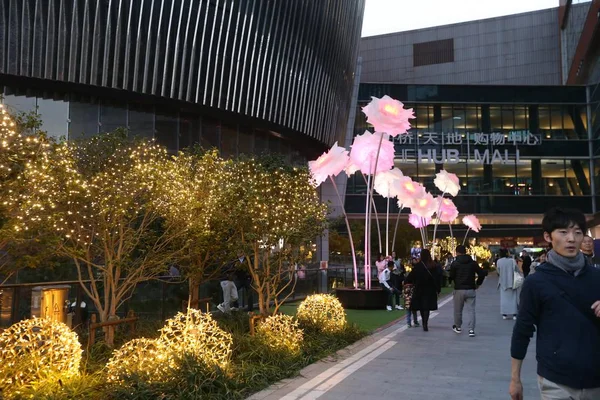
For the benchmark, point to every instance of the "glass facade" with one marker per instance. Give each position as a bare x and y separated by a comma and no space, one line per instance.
519,156
72,116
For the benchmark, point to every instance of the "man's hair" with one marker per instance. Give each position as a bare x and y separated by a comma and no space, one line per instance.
461,249
503,253
390,264
559,218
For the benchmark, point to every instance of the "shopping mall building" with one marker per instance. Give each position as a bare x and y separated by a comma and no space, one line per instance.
510,104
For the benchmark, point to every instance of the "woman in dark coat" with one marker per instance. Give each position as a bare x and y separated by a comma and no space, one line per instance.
426,277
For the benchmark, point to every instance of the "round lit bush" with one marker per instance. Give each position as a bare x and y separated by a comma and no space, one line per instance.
322,312
148,359
37,350
281,333
196,334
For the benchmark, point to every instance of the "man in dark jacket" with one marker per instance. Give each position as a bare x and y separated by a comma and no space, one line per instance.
562,301
463,272
526,263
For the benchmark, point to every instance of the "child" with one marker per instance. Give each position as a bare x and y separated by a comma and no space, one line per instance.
407,292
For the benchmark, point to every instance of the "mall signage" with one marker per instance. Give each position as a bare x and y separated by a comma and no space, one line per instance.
476,147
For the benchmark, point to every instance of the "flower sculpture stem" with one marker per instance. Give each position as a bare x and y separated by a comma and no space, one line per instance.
466,234
370,196
396,228
367,252
450,226
355,269
387,227
437,215
376,214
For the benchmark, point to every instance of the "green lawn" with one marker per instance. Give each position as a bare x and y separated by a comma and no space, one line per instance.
367,320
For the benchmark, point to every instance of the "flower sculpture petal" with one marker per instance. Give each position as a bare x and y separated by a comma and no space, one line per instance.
447,210
472,222
418,222
407,191
365,149
385,182
388,115
351,168
329,164
447,182
424,206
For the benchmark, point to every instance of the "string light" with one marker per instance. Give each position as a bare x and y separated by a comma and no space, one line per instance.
281,333
323,312
37,350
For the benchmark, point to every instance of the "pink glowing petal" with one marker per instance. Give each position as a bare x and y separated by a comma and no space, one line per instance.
472,222
447,211
365,149
329,163
388,115
385,182
424,206
418,222
447,182
408,190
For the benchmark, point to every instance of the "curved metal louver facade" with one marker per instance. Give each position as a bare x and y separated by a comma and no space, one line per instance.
289,62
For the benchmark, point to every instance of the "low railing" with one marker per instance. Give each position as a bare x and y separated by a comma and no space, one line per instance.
161,298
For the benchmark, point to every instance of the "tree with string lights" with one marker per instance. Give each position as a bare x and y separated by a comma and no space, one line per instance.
23,145
278,214
97,195
206,182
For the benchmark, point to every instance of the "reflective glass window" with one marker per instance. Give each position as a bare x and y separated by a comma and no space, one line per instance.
261,142
245,140
521,118
141,121
84,119
495,119
112,116
55,117
18,104
167,130
210,133
553,177
189,130
473,118
229,141
476,183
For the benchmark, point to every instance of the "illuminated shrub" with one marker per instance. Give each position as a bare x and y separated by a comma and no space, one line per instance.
322,312
148,359
281,333
37,350
198,335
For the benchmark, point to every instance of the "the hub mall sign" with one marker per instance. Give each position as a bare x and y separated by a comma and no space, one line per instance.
476,147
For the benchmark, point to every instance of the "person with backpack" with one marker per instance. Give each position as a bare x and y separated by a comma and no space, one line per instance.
562,302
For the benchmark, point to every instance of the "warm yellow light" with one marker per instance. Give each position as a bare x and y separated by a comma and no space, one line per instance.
37,350
390,109
322,312
281,333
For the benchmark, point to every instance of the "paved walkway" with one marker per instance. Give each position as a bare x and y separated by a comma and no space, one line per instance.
401,363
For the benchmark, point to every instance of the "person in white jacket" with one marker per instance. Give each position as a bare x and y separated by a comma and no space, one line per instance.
385,280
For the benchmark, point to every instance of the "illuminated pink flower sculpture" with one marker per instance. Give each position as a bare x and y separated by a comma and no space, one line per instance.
472,223
407,191
386,182
351,168
418,222
365,149
424,206
447,210
447,182
330,163
388,115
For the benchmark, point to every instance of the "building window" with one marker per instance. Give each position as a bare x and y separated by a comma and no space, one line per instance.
435,52
84,120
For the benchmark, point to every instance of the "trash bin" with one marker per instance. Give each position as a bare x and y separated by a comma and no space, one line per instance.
50,302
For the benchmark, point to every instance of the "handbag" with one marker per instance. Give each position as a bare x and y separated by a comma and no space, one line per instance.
517,278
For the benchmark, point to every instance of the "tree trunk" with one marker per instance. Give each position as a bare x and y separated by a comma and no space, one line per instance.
194,285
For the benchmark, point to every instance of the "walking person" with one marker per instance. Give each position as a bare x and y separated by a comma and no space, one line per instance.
587,248
427,280
506,267
526,267
385,280
408,290
467,277
561,301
